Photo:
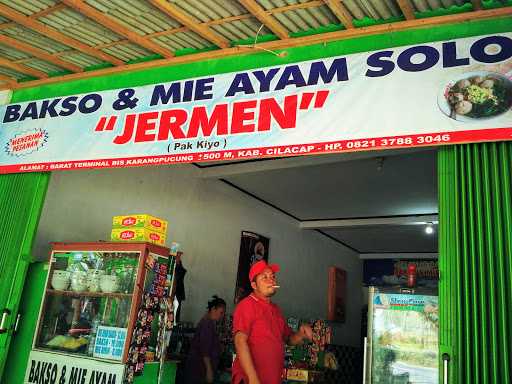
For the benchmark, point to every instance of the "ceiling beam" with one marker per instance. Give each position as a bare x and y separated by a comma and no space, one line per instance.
340,12
44,30
39,53
371,221
7,25
22,68
184,19
399,255
407,9
245,16
320,38
292,7
269,21
229,19
24,60
11,83
108,22
47,11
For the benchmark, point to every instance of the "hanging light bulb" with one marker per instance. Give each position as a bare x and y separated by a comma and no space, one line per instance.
429,229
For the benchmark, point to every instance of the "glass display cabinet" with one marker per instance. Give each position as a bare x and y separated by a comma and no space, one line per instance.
92,295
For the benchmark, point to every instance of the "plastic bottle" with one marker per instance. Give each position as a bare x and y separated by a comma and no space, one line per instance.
92,337
411,275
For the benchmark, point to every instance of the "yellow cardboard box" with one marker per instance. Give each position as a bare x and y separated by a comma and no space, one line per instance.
297,375
138,234
140,221
302,375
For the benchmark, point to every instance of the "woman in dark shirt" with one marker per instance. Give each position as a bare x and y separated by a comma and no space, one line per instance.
204,353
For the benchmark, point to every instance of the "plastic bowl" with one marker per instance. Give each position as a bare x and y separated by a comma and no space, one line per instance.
446,108
109,283
61,273
108,287
78,286
60,284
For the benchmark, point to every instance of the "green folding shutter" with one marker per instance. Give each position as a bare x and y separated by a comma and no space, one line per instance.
21,201
475,261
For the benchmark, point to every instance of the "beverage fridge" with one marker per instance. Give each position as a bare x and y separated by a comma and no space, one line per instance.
402,340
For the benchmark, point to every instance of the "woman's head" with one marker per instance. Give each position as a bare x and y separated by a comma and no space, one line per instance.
216,308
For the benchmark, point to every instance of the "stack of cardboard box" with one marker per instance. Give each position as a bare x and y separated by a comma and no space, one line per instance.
139,228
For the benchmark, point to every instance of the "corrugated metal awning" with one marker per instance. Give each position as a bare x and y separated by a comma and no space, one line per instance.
60,39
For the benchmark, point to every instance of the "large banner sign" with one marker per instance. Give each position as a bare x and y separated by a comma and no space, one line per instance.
54,368
429,94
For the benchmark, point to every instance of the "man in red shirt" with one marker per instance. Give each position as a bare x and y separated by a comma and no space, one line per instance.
260,331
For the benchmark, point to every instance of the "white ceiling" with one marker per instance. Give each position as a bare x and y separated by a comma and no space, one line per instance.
387,239
347,186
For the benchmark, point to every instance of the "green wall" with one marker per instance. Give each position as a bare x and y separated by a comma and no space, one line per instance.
29,310
475,261
21,201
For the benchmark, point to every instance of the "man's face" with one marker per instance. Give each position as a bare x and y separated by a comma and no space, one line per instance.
263,283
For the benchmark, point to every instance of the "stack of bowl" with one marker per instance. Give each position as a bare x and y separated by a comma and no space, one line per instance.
79,281
109,283
60,280
93,279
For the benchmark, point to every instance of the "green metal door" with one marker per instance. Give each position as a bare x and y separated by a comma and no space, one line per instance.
475,261
21,201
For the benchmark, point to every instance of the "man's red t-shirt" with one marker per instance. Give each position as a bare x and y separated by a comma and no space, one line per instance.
267,332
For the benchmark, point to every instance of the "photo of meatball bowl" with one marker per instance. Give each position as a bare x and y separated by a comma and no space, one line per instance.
476,96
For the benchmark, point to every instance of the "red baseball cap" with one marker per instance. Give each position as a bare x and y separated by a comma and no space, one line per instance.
259,267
